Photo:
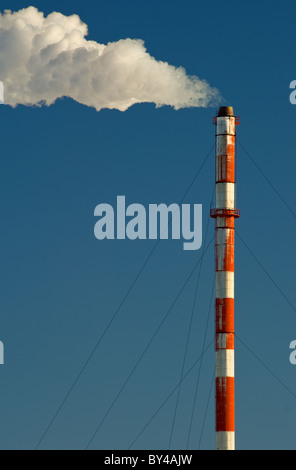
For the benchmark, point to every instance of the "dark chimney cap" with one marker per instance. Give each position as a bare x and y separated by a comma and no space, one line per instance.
225,111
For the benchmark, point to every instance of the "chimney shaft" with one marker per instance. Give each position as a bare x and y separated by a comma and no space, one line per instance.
225,214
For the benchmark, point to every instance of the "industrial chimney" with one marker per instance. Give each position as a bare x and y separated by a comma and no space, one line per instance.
225,214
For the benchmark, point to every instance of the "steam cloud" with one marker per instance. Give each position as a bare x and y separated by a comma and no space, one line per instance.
46,58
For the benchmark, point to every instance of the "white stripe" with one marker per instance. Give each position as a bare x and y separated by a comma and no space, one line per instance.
225,285
225,363
222,241
225,440
222,222
225,195
225,125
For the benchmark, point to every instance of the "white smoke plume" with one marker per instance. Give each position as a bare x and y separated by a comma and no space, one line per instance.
46,58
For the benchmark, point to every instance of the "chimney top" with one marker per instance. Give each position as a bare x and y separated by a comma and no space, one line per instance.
225,111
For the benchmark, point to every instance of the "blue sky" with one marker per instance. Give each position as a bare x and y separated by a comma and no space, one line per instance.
61,286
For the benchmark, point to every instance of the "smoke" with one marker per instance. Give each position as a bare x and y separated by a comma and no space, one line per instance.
46,58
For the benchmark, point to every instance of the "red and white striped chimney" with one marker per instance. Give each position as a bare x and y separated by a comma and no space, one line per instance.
225,214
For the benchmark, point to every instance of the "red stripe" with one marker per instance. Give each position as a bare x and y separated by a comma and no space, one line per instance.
225,418
228,237
225,159
224,315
